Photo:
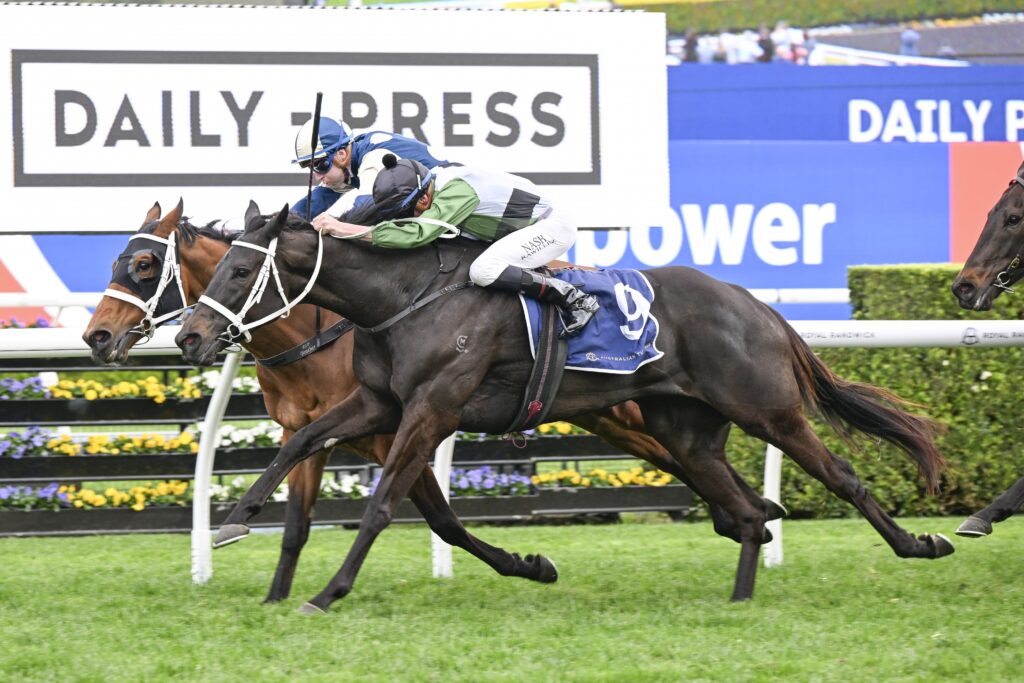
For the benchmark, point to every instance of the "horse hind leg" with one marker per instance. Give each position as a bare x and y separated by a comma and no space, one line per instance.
622,426
789,431
1005,505
695,435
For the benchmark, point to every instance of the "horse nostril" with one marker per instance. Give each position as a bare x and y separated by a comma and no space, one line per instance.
100,337
964,289
190,339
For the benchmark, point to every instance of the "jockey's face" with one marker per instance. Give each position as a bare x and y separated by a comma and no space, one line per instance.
424,202
337,178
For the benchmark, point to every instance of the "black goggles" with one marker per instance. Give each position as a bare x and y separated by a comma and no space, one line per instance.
321,166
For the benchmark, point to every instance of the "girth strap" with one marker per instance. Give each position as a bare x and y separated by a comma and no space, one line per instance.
310,346
546,375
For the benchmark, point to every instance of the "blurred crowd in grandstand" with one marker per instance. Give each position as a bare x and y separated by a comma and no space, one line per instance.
992,38
784,43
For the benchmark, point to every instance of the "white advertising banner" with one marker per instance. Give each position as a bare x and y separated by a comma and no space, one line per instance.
116,107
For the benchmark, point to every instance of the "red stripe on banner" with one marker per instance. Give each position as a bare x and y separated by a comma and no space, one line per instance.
978,174
25,315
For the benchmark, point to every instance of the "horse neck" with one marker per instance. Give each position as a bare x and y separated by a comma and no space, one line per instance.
369,284
198,263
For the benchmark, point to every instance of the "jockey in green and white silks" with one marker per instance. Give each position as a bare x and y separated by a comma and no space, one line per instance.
527,231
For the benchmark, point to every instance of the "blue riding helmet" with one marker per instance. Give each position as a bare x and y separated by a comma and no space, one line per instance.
332,136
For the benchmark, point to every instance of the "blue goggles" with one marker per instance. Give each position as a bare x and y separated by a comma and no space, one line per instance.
416,193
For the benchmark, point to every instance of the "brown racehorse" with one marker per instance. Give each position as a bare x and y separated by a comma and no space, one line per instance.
299,392
994,265
728,358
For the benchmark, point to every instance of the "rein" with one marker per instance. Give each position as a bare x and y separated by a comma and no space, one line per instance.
418,303
1003,277
267,270
171,272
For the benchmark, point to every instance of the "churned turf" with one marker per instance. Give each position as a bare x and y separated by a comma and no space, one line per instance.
635,602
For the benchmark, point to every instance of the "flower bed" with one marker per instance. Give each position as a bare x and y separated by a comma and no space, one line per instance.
349,511
14,323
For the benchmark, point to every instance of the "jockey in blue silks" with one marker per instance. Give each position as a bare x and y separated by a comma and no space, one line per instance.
345,165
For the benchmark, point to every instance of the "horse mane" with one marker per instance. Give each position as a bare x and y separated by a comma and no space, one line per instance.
214,230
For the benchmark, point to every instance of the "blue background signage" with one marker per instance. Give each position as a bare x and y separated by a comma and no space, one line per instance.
767,189
861,104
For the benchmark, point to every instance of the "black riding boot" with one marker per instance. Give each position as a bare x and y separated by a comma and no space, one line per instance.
576,306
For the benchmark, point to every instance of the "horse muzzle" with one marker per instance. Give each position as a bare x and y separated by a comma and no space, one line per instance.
198,349
970,297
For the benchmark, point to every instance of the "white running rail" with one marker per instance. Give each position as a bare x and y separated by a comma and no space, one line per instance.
64,342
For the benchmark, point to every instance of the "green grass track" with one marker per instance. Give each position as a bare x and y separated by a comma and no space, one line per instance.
634,602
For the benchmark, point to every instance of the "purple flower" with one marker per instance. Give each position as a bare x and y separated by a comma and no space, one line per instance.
42,322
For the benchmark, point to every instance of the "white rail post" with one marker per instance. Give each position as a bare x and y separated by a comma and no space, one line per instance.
441,552
202,538
773,491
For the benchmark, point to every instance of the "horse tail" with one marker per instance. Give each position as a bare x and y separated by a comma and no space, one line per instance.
847,406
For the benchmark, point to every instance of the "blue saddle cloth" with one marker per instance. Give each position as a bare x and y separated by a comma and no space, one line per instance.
622,336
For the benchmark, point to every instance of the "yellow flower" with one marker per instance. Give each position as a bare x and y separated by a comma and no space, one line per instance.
186,437
563,427
138,506
544,429
159,398
78,504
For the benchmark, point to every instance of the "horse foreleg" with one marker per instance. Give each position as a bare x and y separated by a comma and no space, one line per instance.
303,491
430,501
359,415
1005,505
419,434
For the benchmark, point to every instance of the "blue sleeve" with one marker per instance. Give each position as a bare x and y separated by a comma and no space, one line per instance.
323,199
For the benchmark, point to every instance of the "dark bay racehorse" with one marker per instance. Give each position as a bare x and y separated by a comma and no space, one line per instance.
995,264
728,359
298,392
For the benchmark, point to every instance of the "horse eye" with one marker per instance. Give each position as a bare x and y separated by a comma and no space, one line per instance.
143,265
242,272
1012,219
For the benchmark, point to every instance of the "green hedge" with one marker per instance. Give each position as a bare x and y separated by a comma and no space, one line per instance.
971,390
716,15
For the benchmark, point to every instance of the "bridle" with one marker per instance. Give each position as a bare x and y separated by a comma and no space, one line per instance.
171,272
237,328
1003,277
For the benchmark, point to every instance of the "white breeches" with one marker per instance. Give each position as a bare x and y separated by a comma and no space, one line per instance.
528,247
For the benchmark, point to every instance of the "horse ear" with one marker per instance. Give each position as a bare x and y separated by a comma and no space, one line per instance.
251,212
154,214
280,220
173,217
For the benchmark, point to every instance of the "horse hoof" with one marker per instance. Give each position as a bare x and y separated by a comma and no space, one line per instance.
943,546
973,527
547,572
773,510
310,608
230,533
